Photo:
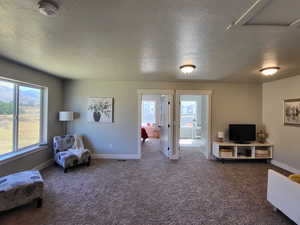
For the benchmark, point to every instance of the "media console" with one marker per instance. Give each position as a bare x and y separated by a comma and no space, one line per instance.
231,150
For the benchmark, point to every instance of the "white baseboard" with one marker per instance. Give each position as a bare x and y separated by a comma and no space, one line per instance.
116,156
44,165
285,166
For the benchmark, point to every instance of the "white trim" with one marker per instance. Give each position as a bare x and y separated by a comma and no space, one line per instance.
285,166
154,92
44,165
116,156
254,9
209,126
21,154
45,117
22,83
194,92
249,13
295,23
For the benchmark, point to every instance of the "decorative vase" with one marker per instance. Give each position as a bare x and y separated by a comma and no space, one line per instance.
262,136
97,116
220,136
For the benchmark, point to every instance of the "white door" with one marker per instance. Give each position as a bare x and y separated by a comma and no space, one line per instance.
166,126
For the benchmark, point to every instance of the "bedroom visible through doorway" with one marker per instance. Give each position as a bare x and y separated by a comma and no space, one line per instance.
155,119
150,117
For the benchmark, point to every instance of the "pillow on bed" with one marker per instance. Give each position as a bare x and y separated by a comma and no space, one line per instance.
295,178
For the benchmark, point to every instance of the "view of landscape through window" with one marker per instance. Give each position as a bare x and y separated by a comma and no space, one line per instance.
6,116
29,116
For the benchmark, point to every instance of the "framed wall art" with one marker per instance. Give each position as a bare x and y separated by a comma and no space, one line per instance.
292,112
100,109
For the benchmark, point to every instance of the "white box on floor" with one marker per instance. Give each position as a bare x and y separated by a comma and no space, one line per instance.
284,194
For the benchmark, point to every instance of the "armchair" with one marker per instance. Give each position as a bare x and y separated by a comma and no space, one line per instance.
66,155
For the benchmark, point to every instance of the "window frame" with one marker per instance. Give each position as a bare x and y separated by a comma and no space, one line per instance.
43,116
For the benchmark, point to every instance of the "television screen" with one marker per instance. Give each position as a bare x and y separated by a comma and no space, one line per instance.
242,132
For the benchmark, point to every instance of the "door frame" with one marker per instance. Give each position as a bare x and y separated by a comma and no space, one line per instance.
177,117
142,92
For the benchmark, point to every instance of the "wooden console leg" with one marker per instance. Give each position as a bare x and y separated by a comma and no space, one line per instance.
39,202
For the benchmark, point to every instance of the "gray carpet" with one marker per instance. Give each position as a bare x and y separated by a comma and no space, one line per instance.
153,191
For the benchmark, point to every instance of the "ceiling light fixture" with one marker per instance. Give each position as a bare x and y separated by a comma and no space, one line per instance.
48,8
189,68
269,71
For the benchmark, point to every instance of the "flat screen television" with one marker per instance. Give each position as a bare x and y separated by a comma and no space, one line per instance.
242,133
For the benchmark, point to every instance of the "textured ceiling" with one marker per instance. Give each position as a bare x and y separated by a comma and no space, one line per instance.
149,40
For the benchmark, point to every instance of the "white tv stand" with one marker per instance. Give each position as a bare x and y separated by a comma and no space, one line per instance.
237,149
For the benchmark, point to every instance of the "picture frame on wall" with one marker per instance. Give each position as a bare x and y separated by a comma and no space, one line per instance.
292,112
100,109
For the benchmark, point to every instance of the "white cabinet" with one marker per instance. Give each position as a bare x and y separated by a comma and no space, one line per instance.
230,150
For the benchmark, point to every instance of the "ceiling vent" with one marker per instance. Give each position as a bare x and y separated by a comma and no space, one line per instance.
48,8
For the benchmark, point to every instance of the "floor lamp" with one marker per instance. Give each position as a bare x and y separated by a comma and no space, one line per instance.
66,116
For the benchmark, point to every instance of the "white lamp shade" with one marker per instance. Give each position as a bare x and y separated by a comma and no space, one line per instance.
66,116
220,134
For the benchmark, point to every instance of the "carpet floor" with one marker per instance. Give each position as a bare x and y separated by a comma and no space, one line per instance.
153,190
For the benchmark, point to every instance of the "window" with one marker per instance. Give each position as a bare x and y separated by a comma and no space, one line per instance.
6,116
188,113
21,116
148,110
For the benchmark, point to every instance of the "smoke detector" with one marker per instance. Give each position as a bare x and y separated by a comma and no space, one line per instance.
48,8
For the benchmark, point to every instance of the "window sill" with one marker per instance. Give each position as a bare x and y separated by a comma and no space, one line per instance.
21,154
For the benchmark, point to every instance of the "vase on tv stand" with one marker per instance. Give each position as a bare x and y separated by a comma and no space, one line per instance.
262,135
220,136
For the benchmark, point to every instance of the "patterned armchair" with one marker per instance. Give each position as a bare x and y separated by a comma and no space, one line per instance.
66,156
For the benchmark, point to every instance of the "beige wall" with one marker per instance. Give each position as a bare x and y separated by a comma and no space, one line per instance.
231,103
285,138
55,103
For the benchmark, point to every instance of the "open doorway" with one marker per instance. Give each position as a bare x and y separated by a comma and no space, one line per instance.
155,122
193,119
151,123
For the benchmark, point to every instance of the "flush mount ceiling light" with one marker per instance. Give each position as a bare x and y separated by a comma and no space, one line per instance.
269,71
189,68
48,8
